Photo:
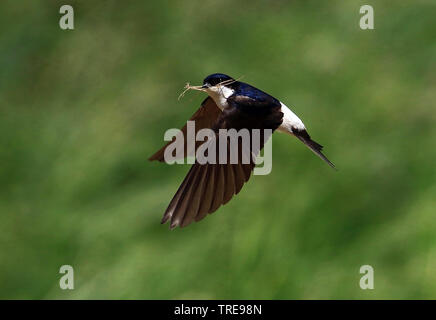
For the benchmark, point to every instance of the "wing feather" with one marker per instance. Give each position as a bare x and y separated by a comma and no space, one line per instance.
207,199
205,117
219,188
199,188
184,203
229,189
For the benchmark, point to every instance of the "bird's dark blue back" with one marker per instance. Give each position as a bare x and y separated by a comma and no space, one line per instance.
244,89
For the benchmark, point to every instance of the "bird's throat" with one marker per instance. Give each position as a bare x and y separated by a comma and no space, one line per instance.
220,95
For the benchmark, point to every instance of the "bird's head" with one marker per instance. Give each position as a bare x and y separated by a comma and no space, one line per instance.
218,86
216,79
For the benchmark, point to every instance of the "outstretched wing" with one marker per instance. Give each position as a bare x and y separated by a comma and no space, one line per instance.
208,186
205,117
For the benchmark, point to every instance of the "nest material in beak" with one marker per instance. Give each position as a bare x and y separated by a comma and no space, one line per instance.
189,87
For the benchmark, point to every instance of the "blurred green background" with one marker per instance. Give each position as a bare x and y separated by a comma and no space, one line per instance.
82,110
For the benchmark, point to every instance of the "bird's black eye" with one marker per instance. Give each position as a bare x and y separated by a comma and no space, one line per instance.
212,82
215,81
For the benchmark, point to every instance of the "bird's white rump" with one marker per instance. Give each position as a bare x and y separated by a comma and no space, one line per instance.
290,121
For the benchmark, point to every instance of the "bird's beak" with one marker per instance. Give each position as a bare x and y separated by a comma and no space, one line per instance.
199,88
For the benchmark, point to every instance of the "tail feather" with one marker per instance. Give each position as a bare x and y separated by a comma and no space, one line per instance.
312,145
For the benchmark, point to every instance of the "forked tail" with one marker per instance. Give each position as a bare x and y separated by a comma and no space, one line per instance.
312,145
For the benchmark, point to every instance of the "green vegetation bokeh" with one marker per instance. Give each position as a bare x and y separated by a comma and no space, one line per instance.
82,110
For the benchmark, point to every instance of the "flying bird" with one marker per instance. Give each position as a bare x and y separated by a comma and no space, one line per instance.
231,104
